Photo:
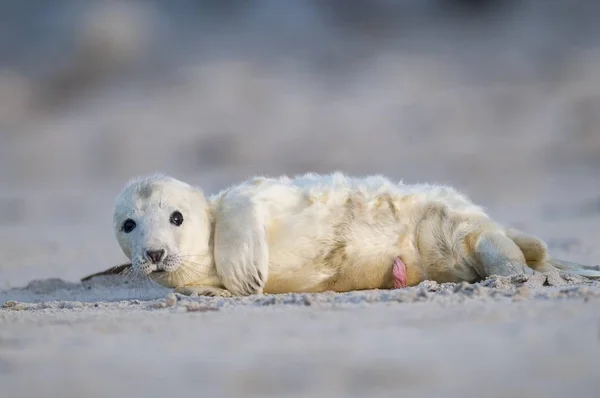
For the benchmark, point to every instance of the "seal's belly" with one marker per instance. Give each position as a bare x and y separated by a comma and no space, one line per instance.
297,239
317,248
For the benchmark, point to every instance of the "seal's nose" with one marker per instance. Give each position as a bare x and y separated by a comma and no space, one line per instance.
155,255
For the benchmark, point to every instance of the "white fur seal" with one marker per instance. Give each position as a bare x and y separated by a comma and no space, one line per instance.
316,233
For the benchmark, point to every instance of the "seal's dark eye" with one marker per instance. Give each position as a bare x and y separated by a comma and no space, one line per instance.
128,226
176,218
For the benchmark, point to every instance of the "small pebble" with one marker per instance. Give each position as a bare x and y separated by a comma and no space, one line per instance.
170,300
9,304
197,307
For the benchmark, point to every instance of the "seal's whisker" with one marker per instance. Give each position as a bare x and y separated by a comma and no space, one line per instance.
170,277
186,264
139,280
189,273
132,273
126,273
191,255
128,277
193,270
186,275
183,262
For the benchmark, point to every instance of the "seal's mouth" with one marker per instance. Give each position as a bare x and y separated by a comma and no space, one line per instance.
158,272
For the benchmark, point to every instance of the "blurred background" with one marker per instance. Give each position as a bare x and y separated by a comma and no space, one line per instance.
498,98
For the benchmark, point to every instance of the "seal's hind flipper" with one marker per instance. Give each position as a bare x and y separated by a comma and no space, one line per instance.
534,249
569,267
536,254
496,254
111,271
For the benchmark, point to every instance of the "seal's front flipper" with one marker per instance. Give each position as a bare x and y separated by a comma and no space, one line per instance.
119,269
241,252
209,291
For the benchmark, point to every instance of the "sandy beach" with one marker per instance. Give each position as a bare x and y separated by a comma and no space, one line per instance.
502,104
506,336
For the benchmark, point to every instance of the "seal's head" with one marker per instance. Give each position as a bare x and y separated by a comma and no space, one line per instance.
163,226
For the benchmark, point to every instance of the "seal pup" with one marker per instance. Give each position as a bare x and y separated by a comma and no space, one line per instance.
316,233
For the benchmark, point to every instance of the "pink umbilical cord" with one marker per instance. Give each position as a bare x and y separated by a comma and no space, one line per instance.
399,271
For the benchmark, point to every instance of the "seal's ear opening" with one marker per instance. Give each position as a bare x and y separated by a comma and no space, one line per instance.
111,271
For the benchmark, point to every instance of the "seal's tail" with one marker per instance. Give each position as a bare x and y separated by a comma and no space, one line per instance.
536,254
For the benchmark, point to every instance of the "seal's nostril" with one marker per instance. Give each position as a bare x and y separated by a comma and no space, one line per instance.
155,255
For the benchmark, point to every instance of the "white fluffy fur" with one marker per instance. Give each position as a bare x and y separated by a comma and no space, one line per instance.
314,233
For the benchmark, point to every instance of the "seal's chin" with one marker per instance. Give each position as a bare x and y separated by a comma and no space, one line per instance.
166,278
158,272
173,275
